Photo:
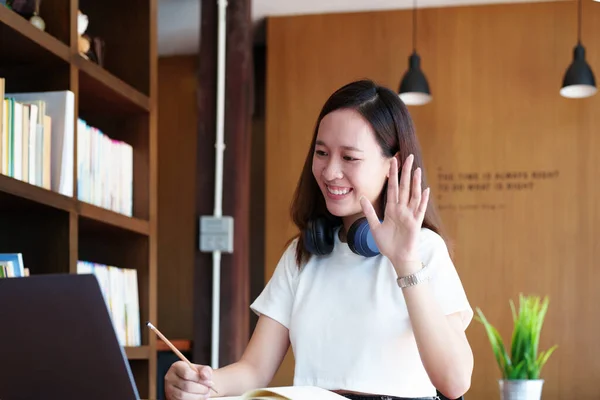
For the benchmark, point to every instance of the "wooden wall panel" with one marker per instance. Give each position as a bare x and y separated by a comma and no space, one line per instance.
531,224
177,132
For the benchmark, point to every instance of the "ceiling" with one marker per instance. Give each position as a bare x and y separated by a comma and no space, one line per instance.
179,20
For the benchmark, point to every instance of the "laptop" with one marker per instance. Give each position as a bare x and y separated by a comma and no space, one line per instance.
57,341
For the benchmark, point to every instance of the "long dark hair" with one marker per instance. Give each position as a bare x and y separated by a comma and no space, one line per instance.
395,133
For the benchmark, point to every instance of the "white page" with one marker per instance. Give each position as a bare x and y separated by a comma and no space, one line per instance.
305,392
290,392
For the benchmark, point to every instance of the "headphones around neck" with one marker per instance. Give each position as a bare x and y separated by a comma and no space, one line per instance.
319,237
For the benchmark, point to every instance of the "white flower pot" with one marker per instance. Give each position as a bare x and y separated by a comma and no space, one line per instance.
521,389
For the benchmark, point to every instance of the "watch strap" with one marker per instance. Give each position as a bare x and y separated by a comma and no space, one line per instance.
420,276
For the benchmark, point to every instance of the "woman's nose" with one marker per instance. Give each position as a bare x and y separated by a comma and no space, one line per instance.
332,171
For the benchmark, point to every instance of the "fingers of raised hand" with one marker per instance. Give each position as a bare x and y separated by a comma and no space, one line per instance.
404,188
423,205
392,189
415,198
369,212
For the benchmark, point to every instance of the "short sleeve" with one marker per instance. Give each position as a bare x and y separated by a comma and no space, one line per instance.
277,298
447,286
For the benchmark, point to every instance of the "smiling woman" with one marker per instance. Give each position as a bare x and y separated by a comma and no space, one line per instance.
367,294
360,129
353,195
345,165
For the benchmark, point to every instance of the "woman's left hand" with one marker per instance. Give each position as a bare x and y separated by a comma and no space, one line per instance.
397,236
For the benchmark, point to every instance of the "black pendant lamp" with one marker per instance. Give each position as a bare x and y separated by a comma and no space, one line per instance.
414,89
579,79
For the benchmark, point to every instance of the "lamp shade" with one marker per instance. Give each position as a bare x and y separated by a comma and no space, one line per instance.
414,89
579,79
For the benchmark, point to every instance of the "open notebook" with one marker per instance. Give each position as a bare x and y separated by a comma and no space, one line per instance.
287,393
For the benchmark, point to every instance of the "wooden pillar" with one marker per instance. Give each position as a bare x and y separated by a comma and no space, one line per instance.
235,299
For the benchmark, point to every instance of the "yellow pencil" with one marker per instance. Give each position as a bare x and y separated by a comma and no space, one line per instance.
175,349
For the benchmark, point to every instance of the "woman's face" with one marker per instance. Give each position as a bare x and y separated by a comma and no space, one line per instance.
348,163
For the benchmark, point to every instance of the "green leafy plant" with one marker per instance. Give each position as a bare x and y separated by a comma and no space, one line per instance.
523,361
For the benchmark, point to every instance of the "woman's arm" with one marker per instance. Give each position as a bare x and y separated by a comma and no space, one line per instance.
256,368
443,346
259,363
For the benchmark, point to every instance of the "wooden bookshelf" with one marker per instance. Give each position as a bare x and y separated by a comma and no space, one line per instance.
137,352
21,41
17,194
54,231
103,90
180,344
120,221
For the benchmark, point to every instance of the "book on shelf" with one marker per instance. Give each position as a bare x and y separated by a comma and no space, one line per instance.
12,266
25,139
119,287
104,170
287,393
37,138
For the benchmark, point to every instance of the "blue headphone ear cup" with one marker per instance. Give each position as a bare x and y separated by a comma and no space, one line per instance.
360,239
318,237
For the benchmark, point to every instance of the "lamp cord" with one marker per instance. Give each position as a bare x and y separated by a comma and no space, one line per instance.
415,26
579,22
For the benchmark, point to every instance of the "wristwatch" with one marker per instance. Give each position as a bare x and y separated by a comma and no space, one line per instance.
420,276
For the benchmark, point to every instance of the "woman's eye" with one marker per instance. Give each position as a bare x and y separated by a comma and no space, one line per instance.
348,158
320,153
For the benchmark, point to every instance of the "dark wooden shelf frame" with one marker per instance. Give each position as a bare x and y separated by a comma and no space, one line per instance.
35,60
113,218
137,352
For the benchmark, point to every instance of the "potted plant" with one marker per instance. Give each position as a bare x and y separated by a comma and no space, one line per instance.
521,368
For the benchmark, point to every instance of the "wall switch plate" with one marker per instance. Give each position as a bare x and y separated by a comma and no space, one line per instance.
216,234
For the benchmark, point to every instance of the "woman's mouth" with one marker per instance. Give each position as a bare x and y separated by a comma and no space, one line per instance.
337,192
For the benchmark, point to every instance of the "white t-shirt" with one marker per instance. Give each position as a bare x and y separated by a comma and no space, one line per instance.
348,322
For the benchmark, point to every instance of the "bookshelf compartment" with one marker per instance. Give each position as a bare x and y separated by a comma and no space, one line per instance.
137,352
125,31
19,196
100,91
106,217
32,77
21,42
141,370
57,16
109,245
38,140
134,170
40,233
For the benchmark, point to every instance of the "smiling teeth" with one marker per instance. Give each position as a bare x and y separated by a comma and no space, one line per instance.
338,192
